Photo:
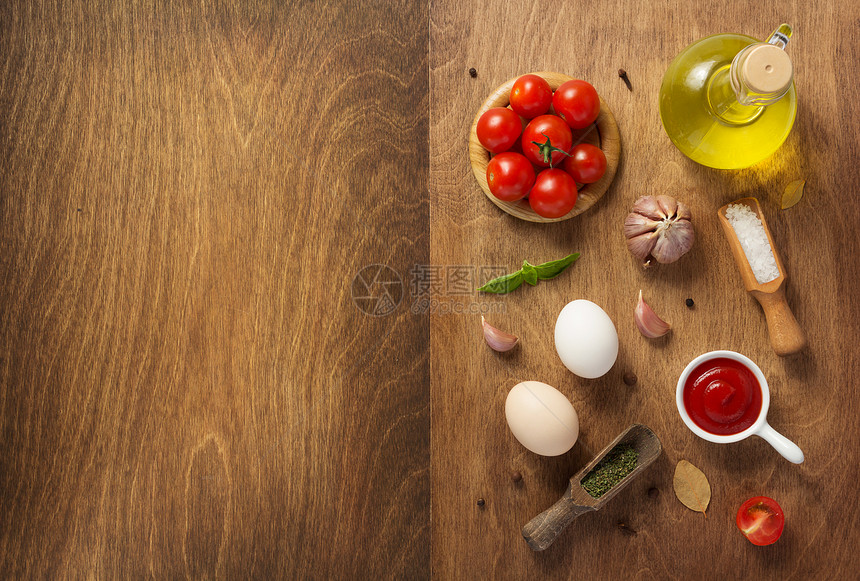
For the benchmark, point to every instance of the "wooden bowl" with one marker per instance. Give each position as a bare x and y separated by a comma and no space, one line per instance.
607,138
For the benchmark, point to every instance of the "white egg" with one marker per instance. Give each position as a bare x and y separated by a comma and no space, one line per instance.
541,418
586,339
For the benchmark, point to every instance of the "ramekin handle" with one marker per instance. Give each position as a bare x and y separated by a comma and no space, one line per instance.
781,444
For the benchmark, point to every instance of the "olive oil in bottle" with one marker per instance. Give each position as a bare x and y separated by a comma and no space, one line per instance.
728,101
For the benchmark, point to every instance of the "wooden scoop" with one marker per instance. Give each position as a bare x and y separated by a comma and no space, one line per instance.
542,530
786,336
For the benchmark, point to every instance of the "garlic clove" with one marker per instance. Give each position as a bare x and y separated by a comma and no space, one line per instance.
669,206
642,245
684,212
648,206
636,224
649,324
498,340
677,238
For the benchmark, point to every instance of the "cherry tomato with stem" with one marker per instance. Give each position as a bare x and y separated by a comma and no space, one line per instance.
577,103
554,193
510,176
546,140
498,129
586,163
531,96
761,520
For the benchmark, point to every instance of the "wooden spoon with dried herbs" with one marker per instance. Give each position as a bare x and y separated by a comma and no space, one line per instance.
596,484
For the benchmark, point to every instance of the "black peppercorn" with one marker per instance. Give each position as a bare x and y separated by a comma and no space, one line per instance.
653,493
516,476
480,502
689,303
473,73
630,378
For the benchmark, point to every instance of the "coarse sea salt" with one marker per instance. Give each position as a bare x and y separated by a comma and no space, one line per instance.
753,238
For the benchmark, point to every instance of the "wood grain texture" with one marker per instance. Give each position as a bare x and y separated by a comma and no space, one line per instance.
813,399
186,387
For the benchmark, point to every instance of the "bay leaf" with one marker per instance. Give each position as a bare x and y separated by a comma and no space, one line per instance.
692,487
792,194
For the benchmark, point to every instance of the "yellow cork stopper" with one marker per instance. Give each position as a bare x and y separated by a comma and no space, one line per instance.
767,69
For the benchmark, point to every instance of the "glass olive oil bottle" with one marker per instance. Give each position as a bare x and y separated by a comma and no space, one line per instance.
728,101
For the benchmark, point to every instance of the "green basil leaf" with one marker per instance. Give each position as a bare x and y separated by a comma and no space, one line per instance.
503,284
552,269
530,274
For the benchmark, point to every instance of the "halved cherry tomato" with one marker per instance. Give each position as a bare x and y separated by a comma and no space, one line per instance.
586,163
761,520
498,129
577,103
554,194
510,176
531,96
546,140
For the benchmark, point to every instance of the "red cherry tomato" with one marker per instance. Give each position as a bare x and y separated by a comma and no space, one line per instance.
510,176
498,129
517,147
546,140
761,520
554,194
531,96
586,163
577,103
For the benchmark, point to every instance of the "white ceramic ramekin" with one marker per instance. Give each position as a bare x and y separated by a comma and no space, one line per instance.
760,427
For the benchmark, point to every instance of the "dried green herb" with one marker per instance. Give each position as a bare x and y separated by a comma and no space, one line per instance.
529,273
617,464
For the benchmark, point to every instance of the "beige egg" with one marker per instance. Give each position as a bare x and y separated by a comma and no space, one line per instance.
541,418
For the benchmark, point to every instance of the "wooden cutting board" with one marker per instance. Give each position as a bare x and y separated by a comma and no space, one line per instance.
645,532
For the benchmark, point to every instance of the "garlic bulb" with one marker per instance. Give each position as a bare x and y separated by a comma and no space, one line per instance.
498,340
649,324
659,227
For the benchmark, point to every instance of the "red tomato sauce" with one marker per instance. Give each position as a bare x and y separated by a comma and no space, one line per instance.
722,396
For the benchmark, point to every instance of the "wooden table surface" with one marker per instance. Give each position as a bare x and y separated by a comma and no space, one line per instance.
187,388
813,402
219,299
